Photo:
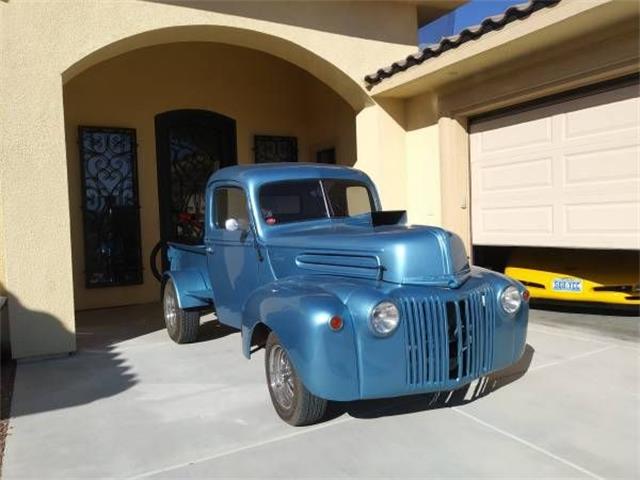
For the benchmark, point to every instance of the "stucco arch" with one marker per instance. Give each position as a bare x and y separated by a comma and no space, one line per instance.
285,49
49,44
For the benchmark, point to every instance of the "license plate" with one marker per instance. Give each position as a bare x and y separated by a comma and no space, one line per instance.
566,285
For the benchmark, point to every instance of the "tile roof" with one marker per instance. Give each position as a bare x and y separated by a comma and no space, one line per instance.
489,24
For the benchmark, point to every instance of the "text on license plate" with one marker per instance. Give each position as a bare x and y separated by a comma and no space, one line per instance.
566,285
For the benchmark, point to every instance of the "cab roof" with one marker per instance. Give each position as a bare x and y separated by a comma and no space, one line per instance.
255,175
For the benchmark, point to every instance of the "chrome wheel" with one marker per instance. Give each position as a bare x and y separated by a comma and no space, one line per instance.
281,377
170,308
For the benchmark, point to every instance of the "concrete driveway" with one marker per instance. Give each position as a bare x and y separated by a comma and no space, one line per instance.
131,404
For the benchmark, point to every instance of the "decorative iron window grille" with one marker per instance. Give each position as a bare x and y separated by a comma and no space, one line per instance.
269,149
111,213
326,156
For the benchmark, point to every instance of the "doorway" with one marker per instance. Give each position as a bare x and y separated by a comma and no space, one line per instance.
190,146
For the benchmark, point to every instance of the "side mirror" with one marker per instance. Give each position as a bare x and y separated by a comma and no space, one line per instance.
231,224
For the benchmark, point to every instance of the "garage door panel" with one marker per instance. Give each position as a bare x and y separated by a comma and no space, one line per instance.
577,185
536,133
517,220
543,196
600,114
604,140
613,217
534,239
624,139
586,167
529,173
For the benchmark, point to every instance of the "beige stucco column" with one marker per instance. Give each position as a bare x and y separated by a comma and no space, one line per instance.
454,174
2,151
35,204
381,150
423,160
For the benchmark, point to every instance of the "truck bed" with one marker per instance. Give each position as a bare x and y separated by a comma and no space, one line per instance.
188,268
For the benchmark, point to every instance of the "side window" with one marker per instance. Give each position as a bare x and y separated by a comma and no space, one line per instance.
348,199
358,200
231,202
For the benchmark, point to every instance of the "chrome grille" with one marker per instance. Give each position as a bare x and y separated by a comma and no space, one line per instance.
448,339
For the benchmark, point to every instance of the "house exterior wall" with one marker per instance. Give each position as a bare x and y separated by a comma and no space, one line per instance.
46,44
607,55
262,93
381,150
456,87
423,160
3,280
3,291
411,132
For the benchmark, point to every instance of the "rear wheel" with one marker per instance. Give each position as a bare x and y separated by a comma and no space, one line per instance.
292,401
182,325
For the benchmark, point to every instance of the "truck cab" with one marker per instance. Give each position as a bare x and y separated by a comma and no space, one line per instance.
349,301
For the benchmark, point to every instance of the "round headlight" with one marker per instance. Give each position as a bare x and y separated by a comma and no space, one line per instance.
384,318
510,299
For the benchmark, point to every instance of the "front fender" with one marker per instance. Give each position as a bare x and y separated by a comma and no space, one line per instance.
299,313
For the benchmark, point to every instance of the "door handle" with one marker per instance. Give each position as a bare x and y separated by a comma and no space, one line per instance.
209,250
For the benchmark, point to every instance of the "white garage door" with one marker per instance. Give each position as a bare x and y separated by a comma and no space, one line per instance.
561,175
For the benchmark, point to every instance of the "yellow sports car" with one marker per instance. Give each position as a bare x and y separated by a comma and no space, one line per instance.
594,276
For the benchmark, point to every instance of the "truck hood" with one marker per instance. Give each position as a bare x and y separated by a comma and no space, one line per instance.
401,254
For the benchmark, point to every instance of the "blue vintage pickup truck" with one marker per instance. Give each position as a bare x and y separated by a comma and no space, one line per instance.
348,301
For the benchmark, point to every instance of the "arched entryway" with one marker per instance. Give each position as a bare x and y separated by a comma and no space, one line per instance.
192,107
60,90
323,69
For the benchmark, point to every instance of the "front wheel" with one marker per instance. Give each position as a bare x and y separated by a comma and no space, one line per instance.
292,401
182,325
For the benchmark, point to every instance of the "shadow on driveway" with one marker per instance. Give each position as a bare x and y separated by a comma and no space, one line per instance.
100,368
103,328
367,409
212,330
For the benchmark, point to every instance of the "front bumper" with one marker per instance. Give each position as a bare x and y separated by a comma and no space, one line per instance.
447,338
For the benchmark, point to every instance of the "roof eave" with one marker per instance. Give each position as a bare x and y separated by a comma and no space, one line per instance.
430,10
548,28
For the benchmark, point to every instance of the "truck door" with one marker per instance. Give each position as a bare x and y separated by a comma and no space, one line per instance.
231,254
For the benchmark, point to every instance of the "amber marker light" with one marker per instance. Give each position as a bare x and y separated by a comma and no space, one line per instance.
526,295
336,323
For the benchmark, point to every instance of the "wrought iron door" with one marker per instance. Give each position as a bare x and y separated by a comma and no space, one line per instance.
110,206
190,146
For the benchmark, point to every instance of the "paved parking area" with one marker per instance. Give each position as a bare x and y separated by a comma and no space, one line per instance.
131,404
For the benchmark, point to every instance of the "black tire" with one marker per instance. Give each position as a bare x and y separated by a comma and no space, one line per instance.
304,407
184,325
153,260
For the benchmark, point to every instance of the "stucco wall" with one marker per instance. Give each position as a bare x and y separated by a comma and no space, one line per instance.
3,113
606,54
571,45
48,43
2,255
404,141
2,157
423,160
330,123
381,150
264,94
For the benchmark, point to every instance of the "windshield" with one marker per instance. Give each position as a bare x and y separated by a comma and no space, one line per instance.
300,200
